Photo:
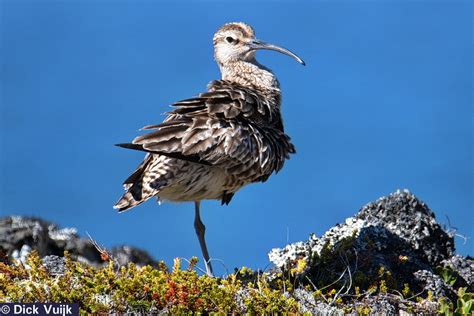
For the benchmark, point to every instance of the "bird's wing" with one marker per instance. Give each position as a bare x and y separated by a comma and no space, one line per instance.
229,125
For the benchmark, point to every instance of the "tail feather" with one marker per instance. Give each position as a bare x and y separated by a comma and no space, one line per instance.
135,194
126,202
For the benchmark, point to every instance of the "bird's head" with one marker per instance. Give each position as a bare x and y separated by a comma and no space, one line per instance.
237,42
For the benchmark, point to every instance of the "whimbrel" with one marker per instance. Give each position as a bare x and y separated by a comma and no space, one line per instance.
212,145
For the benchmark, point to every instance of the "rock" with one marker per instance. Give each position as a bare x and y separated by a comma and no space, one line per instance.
20,235
22,254
395,239
308,304
382,306
464,267
403,215
54,265
434,283
126,254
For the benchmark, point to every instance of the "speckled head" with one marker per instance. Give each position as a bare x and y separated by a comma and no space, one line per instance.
235,28
236,42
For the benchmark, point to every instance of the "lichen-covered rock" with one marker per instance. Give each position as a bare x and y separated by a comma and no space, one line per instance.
405,216
434,283
394,240
55,265
20,235
308,304
464,268
382,306
126,254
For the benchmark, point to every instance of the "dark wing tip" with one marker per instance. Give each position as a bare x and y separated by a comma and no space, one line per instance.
176,155
130,146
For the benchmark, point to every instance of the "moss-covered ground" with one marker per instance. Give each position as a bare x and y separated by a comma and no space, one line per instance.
183,289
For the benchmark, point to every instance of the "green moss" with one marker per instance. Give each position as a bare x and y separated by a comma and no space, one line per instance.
138,289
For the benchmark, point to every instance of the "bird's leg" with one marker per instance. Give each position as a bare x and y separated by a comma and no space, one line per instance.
200,232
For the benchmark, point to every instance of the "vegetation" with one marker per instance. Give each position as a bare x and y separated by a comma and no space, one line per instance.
464,304
121,289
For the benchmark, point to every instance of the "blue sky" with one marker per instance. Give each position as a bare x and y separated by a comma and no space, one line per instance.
385,102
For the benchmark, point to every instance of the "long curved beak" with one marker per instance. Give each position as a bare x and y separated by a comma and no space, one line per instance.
257,44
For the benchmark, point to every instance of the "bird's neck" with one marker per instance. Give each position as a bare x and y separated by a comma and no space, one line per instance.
250,74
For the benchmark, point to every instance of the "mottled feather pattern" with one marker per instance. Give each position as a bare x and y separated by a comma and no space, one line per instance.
229,126
230,133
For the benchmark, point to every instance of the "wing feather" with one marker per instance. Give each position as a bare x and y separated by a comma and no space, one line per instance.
229,126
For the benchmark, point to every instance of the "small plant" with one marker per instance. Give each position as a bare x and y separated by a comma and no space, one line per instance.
449,276
445,307
301,265
406,290
464,304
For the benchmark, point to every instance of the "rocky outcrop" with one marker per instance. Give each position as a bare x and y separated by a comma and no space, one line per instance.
20,235
395,239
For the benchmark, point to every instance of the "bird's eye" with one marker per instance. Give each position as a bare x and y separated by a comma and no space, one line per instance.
231,40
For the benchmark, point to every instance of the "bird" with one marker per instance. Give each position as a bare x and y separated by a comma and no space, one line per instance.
210,146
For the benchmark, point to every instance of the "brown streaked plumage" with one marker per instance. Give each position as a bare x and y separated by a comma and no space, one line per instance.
210,146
